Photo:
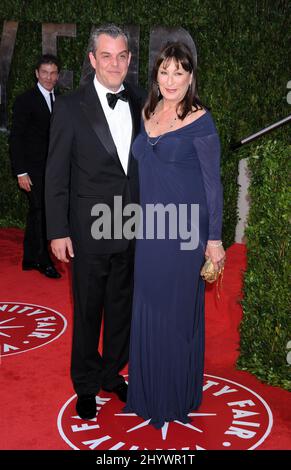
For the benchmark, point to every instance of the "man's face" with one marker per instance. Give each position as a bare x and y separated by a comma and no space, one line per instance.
111,61
47,75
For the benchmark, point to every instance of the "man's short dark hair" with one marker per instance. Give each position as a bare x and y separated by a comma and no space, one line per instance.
48,59
111,30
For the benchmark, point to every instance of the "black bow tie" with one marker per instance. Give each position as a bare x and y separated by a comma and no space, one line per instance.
112,98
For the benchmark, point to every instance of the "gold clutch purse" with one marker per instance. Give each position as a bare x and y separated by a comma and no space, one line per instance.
209,274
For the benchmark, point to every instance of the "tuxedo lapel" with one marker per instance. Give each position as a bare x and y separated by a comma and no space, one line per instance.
92,108
42,101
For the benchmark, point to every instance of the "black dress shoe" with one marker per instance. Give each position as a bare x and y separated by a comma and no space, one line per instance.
27,266
49,271
86,406
120,390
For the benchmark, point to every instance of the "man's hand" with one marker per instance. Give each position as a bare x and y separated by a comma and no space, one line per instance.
60,246
24,182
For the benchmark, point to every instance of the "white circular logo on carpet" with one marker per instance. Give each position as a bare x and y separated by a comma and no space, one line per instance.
28,326
231,417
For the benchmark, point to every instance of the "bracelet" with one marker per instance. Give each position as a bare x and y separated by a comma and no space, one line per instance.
214,244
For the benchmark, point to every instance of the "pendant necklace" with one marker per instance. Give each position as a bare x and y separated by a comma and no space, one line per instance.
160,136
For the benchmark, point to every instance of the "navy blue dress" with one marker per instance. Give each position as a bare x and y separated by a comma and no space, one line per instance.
167,333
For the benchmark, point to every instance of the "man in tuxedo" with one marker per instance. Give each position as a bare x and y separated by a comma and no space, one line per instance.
28,152
90,162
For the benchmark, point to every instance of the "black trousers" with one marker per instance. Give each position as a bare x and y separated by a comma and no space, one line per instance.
35,245
102,288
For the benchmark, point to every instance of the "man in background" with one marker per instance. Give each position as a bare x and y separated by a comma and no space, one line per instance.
29,140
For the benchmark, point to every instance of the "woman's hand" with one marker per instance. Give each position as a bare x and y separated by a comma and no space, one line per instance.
215,253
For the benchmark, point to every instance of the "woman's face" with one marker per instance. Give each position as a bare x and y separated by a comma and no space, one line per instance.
173,80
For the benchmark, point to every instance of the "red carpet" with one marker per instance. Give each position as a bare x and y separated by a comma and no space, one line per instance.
37,399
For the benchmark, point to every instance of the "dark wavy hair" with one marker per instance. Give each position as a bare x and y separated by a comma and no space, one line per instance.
48,59
181,54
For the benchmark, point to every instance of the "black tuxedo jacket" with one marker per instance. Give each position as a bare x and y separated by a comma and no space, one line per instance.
84,169
29,136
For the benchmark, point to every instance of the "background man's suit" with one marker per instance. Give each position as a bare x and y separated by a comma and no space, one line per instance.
84,169
29,140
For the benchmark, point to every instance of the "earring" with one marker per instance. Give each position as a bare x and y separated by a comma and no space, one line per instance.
158,88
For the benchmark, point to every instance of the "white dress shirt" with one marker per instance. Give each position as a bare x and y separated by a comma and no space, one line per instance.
46,95
119,121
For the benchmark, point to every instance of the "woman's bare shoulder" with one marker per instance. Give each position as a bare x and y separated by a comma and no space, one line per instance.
196,114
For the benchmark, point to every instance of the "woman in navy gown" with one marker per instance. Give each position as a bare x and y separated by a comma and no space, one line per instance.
178,152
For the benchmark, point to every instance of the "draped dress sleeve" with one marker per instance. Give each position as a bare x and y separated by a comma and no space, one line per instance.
208,151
